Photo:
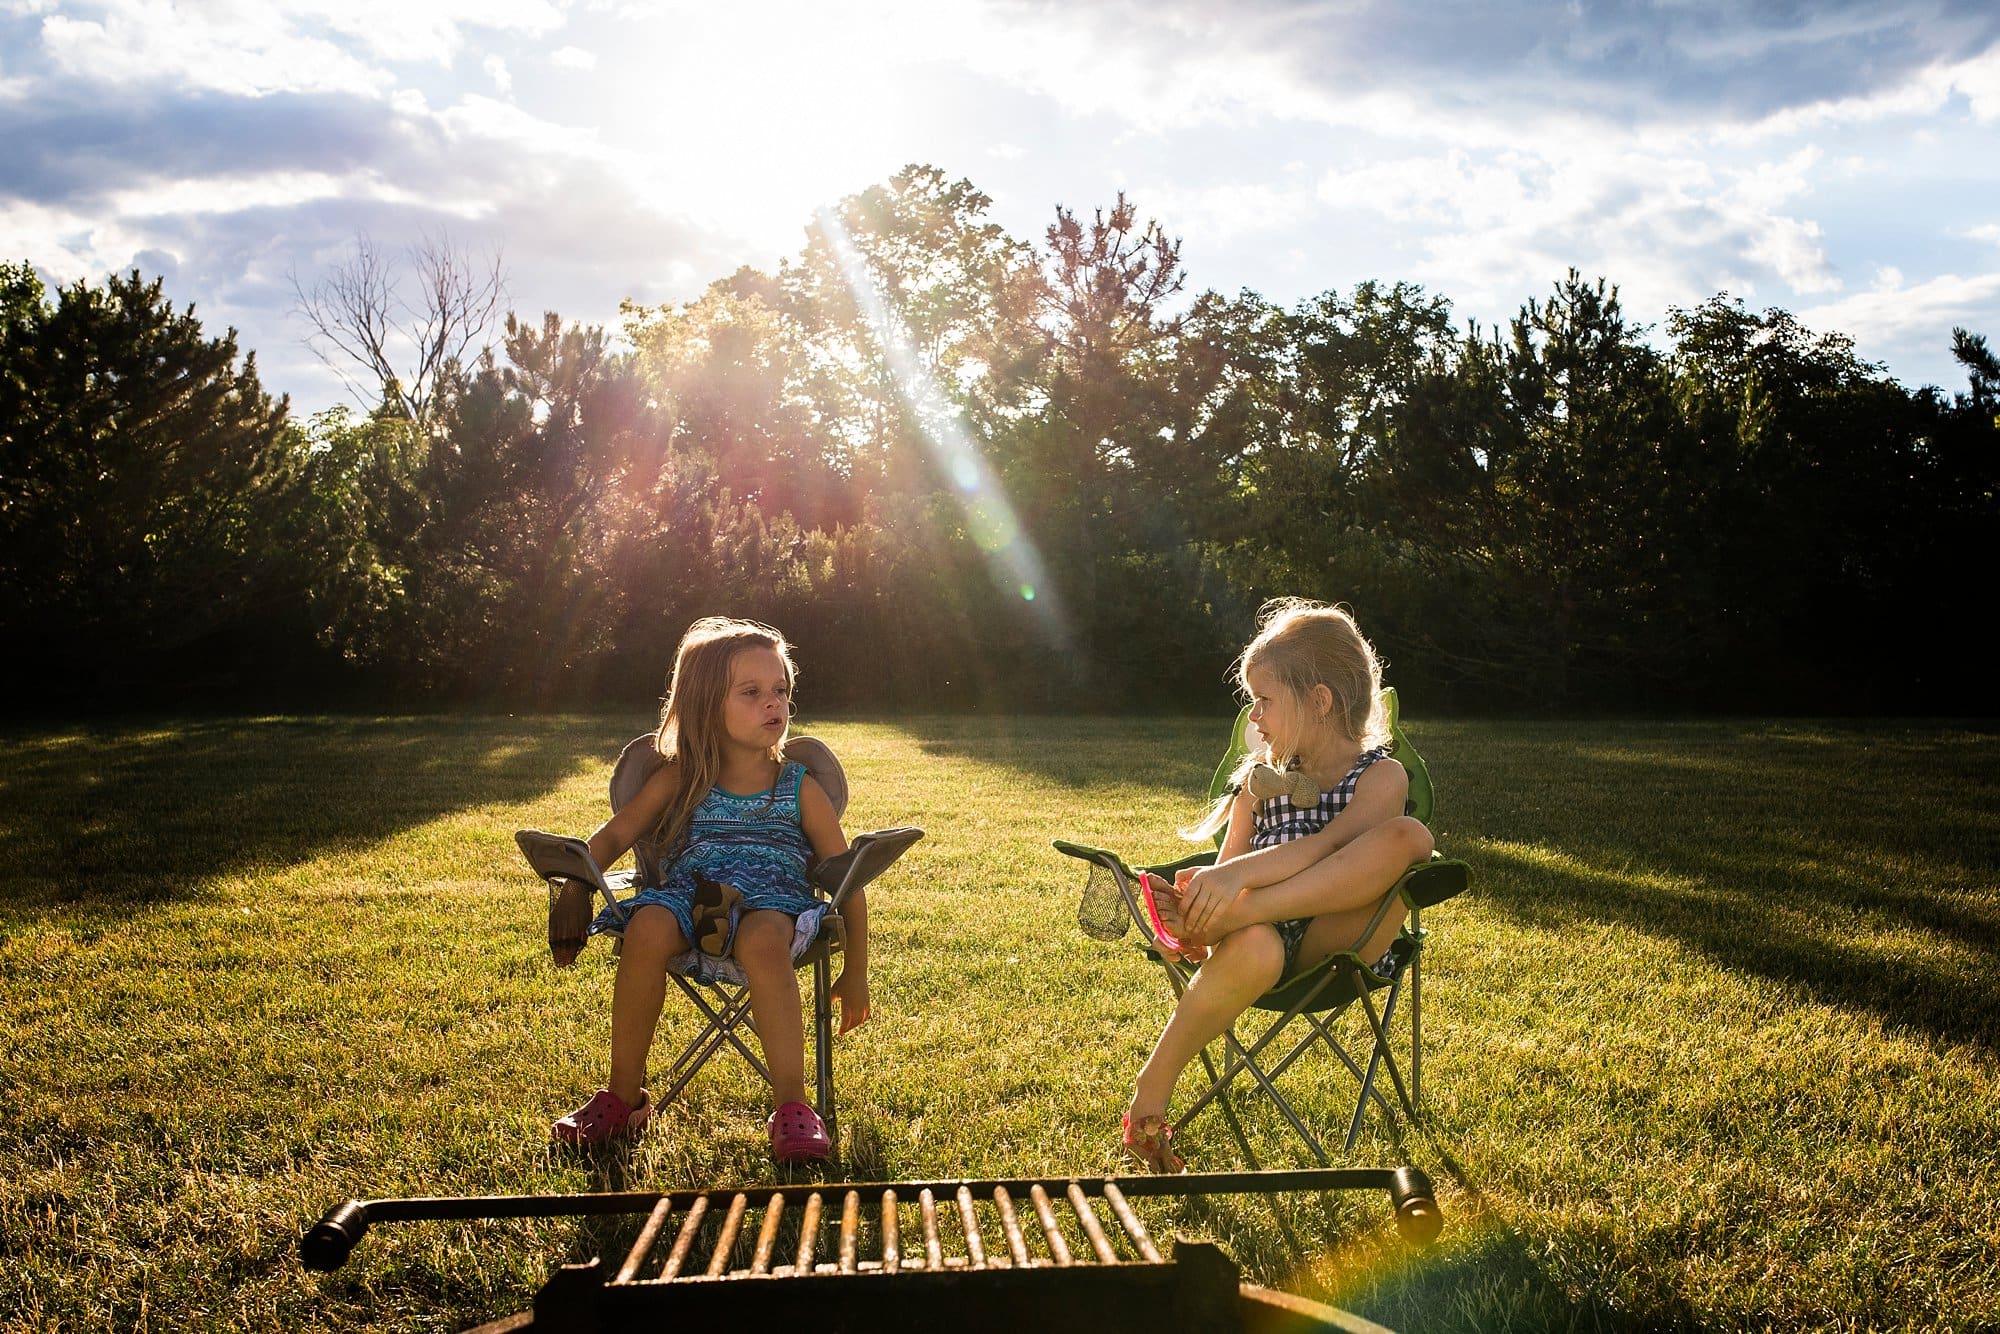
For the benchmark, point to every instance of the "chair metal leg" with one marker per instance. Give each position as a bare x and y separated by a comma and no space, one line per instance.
1382,1049
823,1047
1242,1059
1228,1112
1238,1058
1376,1057
1417,1031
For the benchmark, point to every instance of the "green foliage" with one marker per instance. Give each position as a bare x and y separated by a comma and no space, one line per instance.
967,471
151,490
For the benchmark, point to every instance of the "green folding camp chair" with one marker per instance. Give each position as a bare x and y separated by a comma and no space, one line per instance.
724,1002
1317,996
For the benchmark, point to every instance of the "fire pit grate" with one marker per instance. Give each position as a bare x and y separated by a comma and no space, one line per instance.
1065,1253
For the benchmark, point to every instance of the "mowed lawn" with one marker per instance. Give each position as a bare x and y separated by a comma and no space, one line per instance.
1711,1043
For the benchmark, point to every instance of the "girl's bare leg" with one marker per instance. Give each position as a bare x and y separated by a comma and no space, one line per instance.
1244,966
1353,877
764,948
1340,931
652,937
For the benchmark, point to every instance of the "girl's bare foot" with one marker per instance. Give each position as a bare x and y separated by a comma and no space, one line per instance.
1169,905
569,921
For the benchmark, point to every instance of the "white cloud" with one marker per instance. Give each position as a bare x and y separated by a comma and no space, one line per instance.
572,57
1979,80
194,195
428,30
1893,312
251,53
245,48
496,70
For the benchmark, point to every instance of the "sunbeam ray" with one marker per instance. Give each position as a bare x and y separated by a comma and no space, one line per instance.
1011,559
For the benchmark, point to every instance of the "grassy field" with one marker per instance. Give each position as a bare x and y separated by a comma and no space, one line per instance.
1712,1042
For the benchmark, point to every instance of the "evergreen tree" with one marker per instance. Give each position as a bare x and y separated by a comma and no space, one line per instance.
150,494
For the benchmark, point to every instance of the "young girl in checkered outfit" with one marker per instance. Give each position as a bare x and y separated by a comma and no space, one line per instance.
1316,836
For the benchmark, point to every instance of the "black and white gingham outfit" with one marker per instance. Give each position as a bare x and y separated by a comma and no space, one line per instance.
1278,820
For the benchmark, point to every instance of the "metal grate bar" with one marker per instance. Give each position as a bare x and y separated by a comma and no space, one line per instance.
802,1263
684,1243
1058,1244
1011,1225
1130,1222
975,1245
767,1237
933,1252
1092,1228
892,1241
725,1240
850,1231
648,1235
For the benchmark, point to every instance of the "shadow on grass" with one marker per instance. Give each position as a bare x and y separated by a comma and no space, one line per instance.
1498,1280
103,817
1175,754
1856,864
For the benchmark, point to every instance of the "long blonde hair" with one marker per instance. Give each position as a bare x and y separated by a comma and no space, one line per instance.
691,732
1304,644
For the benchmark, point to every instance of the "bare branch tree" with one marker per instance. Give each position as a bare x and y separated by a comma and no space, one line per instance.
389,350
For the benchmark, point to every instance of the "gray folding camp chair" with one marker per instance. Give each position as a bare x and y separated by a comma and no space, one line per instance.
725,1005
1317,996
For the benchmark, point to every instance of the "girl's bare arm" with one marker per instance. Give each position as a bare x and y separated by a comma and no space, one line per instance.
1379,796
823,831
615,837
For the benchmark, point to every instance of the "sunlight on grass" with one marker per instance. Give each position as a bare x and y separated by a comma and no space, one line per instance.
1705,1046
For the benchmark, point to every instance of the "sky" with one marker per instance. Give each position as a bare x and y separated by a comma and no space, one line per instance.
1831,158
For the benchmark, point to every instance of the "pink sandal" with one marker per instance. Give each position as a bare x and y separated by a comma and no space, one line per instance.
1146,1143
798,1135
1168,940
604,1118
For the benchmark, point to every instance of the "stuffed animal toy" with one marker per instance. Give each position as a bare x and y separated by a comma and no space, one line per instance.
1267,782
714,914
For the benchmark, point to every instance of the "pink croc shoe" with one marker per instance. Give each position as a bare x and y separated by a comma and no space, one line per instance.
798,1135
604,1118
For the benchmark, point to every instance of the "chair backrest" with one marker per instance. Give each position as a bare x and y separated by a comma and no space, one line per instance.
641,757
1422,795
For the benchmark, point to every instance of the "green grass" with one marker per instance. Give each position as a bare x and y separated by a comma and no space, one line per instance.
1712,1043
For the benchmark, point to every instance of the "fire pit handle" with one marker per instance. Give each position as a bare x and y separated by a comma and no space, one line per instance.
327,1243
1417,1216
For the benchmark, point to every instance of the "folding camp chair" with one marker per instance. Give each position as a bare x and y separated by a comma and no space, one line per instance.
1317,996
725,1003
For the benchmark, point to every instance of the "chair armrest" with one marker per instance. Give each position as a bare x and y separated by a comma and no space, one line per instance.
867,856
1430,883
1167,870
1110,861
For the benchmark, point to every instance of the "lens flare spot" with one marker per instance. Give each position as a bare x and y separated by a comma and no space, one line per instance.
992,525
1027,592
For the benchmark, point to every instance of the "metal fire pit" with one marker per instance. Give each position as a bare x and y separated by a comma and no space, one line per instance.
985,1255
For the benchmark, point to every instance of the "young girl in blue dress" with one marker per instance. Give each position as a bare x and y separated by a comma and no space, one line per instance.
1300,872
739,828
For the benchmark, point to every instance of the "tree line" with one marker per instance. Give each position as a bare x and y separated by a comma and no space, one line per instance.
961,471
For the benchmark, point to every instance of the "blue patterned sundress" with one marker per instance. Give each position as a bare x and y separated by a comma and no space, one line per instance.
755,842
1277,820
